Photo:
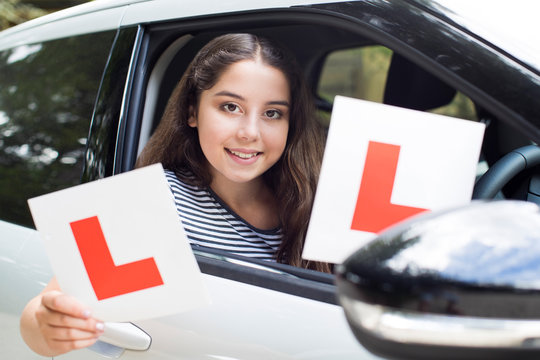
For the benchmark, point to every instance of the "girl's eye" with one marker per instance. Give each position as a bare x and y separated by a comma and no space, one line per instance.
273,114
232,108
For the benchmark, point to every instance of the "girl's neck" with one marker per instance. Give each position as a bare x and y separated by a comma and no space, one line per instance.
253,201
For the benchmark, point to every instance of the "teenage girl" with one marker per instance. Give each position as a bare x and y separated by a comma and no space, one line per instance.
242,151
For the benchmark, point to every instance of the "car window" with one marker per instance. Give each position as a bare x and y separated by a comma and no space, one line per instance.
362,72
375,73
357,72
336,62
47,96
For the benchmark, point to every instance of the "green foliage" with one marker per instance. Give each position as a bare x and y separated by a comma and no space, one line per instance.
13,12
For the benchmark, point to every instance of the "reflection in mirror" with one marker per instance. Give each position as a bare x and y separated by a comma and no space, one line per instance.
465,279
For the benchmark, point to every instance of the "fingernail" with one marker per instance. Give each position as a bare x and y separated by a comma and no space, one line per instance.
86,313
100,326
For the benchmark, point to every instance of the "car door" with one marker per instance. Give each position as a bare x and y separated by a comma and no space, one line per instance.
47,92
258,310
261,310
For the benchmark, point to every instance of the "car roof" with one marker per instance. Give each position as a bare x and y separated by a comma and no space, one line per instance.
512,28
141,11
102,15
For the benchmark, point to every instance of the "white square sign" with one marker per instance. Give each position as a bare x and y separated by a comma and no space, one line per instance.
382,165
118,246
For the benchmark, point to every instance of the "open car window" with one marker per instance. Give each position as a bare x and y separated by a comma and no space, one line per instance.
337,60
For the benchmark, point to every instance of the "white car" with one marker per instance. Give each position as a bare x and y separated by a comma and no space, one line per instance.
81,91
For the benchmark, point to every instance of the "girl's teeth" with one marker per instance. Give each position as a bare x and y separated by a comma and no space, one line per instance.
243,155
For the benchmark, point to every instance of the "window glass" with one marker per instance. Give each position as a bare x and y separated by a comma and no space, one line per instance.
362,73
47,95
358,73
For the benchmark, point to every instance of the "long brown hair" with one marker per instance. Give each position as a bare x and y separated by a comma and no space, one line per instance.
293,178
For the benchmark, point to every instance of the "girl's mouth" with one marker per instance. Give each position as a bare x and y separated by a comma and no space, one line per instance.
243,155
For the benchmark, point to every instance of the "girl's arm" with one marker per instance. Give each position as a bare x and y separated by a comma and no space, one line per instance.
53,323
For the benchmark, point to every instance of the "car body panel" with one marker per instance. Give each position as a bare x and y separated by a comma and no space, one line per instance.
110,14
242,322
25,270
163,10
70,26
518,38
248,322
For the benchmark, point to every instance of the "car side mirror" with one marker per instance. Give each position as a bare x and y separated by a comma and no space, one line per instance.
459,284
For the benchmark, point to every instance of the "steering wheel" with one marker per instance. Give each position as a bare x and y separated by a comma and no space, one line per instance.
505,169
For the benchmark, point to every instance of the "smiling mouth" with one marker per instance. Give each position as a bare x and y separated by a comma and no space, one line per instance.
243,155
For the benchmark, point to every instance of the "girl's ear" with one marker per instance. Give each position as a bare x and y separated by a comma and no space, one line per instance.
192,120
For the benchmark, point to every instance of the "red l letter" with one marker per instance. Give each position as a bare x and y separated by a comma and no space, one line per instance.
109,280
374,212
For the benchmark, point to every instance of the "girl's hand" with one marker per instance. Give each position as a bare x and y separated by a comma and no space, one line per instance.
64,323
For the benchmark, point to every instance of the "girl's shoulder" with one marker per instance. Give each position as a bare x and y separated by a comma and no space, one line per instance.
184,180
185,176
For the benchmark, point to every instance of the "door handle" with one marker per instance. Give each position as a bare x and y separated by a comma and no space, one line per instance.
126,335
118,337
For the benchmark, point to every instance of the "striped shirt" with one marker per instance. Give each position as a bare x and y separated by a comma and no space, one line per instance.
210,223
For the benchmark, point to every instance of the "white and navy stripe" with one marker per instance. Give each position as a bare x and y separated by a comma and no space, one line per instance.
209,222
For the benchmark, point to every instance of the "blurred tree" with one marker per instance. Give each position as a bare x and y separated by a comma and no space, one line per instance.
13,12
53,5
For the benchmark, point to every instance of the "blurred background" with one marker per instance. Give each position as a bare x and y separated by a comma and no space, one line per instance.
13,12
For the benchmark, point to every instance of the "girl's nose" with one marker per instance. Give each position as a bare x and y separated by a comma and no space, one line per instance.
249,128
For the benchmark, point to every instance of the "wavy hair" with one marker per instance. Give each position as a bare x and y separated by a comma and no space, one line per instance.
294,176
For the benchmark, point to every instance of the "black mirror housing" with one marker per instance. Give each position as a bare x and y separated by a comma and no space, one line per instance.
458,284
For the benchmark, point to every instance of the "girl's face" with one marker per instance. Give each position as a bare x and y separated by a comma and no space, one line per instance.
243,121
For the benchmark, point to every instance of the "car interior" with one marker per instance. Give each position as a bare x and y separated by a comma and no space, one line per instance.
407,84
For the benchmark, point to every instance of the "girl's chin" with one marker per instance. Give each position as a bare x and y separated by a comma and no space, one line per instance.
238,177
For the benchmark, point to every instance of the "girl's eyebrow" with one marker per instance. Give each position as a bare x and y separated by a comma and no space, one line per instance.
236,96
277,102
228,93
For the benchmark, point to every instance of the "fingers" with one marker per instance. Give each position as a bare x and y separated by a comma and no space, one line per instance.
65,304
65,323
58,347
62,340
55,319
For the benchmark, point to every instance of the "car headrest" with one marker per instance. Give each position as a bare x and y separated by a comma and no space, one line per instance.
409,86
